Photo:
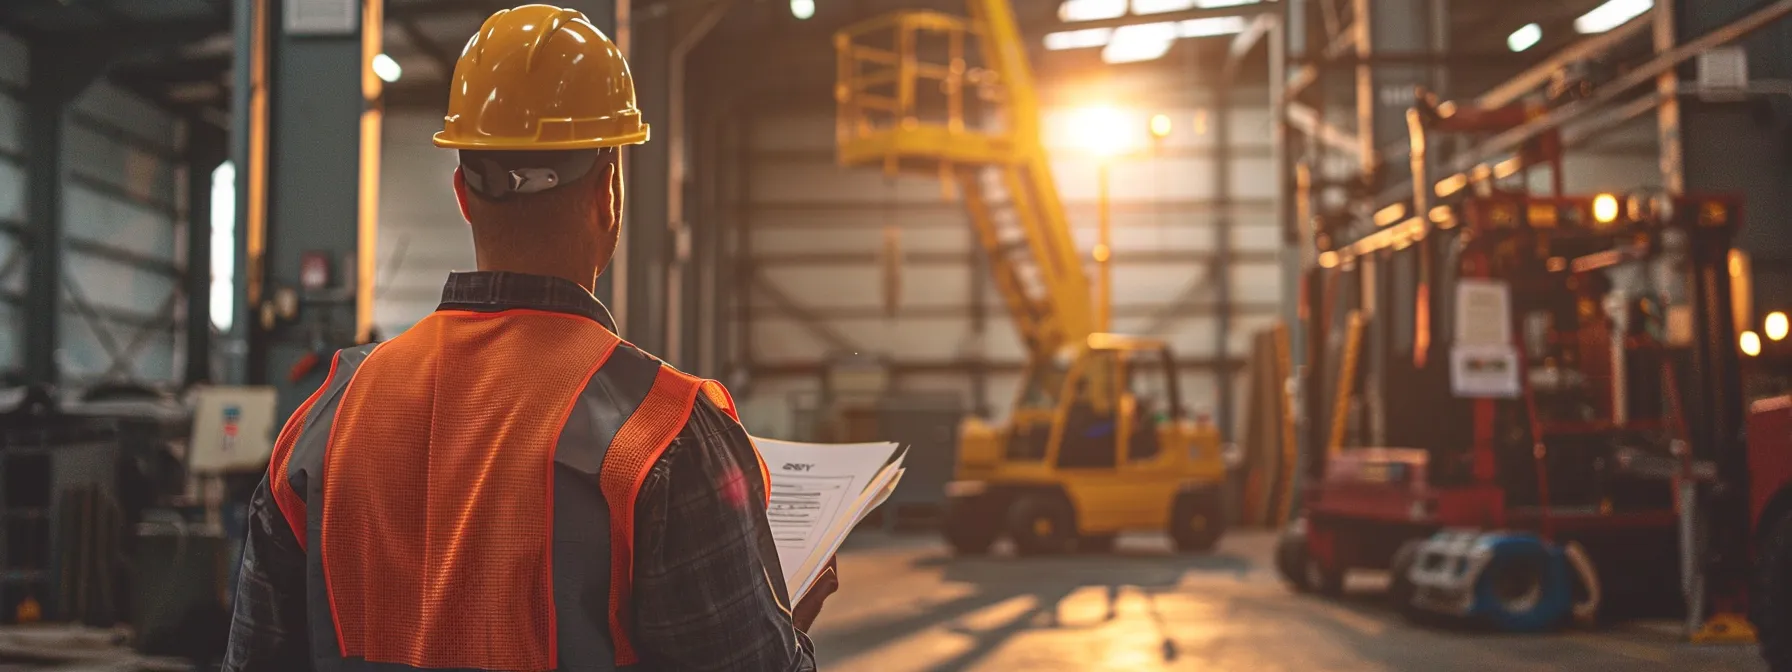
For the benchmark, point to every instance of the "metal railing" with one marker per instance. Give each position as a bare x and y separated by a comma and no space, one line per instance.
884,83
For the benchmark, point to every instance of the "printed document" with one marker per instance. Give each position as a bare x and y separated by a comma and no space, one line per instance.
819,491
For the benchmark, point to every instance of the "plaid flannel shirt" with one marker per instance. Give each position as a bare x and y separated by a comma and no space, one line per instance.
709,592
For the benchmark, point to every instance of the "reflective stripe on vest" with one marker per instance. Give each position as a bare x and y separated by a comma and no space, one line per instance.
430,550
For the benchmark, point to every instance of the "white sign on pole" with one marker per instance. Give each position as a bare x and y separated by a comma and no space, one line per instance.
1484,371
1483,313
322,17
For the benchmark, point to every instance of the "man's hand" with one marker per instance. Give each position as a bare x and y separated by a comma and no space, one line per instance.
810,606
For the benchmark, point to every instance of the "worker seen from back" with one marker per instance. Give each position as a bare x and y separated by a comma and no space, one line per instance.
508,485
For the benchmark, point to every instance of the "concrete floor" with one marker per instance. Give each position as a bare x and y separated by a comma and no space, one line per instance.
906,604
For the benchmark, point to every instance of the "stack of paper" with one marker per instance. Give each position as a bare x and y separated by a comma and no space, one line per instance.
819,492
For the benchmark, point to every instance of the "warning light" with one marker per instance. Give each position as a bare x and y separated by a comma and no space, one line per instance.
1160,126
1777,326
1751,343
1605,208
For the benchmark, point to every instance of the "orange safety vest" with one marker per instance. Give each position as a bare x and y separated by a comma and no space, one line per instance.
456,487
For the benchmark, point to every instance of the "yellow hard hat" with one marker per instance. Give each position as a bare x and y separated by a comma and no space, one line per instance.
541,78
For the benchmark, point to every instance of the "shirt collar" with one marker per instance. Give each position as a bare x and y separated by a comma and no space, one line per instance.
492,291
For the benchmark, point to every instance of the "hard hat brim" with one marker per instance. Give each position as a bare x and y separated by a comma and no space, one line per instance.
513,144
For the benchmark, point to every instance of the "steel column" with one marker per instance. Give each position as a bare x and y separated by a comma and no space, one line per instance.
679,278
1222,248
252,23
648,245
1727,149
321,187
43,151
1667,86
59,70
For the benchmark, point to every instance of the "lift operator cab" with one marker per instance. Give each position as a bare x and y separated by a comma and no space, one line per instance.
1089,452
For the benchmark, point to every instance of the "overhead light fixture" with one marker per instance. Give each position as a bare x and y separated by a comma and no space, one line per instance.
1133,44
1524,38
1750,342
1161,6
1091,10
1078,39
1610,15
1142,39
386,69
1211,27
802,9
1777,326
1095,10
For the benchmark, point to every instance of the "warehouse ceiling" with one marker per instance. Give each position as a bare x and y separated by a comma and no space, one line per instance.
179,51
174,52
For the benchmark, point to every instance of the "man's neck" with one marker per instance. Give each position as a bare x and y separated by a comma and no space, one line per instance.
584,275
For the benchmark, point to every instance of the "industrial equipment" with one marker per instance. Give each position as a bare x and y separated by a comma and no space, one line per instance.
1584,378
122,507
1084,455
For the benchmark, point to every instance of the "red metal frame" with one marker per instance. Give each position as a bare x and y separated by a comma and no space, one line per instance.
1355,489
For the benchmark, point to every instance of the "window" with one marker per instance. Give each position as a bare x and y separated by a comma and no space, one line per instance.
223,232
1041,388
1089,426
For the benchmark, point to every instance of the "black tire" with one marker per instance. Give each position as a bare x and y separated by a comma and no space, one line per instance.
1041,524
1772,600
1096,543
1197,521
970,526
1324,581
1400,587
1291,559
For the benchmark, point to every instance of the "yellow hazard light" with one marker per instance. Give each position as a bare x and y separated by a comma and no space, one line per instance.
1777,326
1750,342
1605,208
1714,213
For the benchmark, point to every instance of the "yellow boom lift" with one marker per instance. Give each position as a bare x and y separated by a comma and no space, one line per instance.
1085,455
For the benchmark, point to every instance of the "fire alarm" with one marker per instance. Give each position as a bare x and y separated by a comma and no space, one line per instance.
314,270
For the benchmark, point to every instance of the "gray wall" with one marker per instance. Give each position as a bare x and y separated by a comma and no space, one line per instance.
125,225
421,234
814,226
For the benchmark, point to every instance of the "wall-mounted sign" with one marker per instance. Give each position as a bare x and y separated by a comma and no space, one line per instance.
314,270
322,17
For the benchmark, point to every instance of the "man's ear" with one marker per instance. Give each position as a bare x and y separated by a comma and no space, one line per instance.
609,195
460,193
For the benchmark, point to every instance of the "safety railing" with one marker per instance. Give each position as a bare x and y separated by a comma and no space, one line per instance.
907,73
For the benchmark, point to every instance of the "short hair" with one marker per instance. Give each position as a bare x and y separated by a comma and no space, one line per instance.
565,199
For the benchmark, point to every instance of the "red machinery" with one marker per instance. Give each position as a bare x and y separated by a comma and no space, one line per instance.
1563,366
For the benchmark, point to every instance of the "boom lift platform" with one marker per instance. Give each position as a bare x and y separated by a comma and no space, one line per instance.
1083,456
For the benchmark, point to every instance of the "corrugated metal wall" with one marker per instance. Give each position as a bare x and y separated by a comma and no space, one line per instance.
816,232
12,201
421,234
124,221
